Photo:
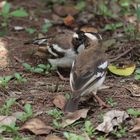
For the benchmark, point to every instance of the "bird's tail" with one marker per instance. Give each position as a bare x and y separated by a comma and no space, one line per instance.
71,105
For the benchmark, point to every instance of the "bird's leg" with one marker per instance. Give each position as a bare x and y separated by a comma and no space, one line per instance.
101,102
62,77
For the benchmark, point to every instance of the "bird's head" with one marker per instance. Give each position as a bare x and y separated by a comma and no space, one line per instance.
78,39
82,39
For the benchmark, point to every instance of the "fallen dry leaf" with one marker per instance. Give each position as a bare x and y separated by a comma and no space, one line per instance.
111,119
125,70
65,10
69,20
59,101
36,126
72,117
136,127
6,120
53,137
134,89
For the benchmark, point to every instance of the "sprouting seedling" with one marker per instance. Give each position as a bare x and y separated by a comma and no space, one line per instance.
72,136
19,78
5,80
28,113
6,108
57,116
40,68
88,127
133,112
111,102
55,113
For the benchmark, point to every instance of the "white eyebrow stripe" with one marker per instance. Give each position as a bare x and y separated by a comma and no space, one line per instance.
103,65
91,36
75,35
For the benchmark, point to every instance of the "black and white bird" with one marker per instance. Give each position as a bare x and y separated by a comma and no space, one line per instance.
64,47
87,73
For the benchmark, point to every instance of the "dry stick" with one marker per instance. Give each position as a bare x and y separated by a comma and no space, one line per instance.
18,60
122,54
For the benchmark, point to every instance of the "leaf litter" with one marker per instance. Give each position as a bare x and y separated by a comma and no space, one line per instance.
72,117
36,126
111,120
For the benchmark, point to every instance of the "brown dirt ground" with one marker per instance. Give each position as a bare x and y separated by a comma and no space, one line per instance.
40,90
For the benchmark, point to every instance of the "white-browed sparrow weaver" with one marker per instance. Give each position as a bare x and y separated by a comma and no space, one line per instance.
63,48
88,73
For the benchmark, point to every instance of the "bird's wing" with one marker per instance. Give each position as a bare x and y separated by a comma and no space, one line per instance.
87,72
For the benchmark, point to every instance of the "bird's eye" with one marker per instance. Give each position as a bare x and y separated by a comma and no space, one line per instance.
76,39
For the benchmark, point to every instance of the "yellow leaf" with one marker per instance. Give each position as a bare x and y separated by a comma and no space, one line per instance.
126,70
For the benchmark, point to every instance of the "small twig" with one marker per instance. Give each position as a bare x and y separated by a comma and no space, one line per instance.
122,54
18,60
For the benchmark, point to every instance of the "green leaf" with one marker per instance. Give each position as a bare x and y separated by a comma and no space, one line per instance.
38,70
124,3
137,77
137,71
10,102
18,76
8,78
28,109
138,12
72,136
26,66
133,112
137,74
6,9
103,8
19,13
118,25
42,66
113,26
81,5
46,26
30,30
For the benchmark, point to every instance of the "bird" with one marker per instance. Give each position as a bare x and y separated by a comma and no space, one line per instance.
63,48
88,73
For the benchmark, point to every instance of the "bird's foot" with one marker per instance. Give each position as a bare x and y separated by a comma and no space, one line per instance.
101,102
